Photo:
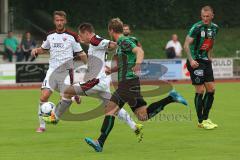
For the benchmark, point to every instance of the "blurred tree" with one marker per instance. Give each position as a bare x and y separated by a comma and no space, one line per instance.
148,14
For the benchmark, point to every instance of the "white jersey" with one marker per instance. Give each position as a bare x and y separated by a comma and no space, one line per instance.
97,54
176,45
61,46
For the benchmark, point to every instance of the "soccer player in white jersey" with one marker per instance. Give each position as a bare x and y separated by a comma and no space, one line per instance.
61,44
96,68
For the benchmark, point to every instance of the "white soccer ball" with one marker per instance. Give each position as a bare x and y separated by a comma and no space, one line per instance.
47,108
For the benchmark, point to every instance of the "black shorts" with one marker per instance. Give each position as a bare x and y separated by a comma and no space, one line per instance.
202,74
129,91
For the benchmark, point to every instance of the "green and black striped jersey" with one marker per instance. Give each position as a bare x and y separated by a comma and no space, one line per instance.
204,36
134,39
126,58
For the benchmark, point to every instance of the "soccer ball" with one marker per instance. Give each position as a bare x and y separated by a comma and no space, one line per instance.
47,108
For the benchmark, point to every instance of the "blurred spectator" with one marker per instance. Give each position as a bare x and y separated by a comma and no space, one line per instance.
27,44
127,33
126,30
174,48
19,53
10,45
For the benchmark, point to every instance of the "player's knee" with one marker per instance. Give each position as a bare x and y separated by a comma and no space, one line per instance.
69,92
211,90
111,109
142,117
200,90
141,114
67,95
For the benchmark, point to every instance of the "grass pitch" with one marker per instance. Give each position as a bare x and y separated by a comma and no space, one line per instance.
171,135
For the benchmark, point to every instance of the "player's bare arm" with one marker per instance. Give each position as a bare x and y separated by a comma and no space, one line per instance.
139,58
81,56
210,54
189,40
37,51
109,70
112,45
139,45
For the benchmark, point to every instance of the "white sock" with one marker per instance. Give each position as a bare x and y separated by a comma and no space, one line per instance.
124,116
62,106
41,121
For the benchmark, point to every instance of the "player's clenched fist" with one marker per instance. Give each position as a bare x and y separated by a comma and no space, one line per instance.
34,52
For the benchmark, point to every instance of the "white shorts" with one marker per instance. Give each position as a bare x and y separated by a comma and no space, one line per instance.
56,80
101,90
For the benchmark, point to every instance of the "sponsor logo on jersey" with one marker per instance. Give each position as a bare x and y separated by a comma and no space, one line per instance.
58,45
203,34
198,72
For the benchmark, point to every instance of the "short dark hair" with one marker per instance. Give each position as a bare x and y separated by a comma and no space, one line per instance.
126,25
60,13
116,25
86,27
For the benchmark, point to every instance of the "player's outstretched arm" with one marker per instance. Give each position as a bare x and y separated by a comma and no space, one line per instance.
189,40
37,51
112,45
114,68
82,56
139,58
210,54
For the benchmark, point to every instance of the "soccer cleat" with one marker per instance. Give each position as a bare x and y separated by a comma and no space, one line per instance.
206,125
139,132
210,122
40,130
178,98
50,119
89,84
94,144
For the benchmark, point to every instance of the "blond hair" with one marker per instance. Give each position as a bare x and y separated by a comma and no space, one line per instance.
207,8
116,25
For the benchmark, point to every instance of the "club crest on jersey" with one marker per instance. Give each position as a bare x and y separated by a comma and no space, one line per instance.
198,72
197,80
203,34
64,38
209,34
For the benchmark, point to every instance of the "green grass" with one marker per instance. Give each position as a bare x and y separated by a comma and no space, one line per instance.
7,77
164,138
154,41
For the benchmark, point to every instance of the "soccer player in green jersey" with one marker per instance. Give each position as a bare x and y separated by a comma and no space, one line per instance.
127,32
130,57
198,46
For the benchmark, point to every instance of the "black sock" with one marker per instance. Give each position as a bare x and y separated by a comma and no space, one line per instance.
156,107
199,106
107,126
208,101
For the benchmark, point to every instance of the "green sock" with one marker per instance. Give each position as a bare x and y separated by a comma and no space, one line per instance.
107,126
208,101
199,106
